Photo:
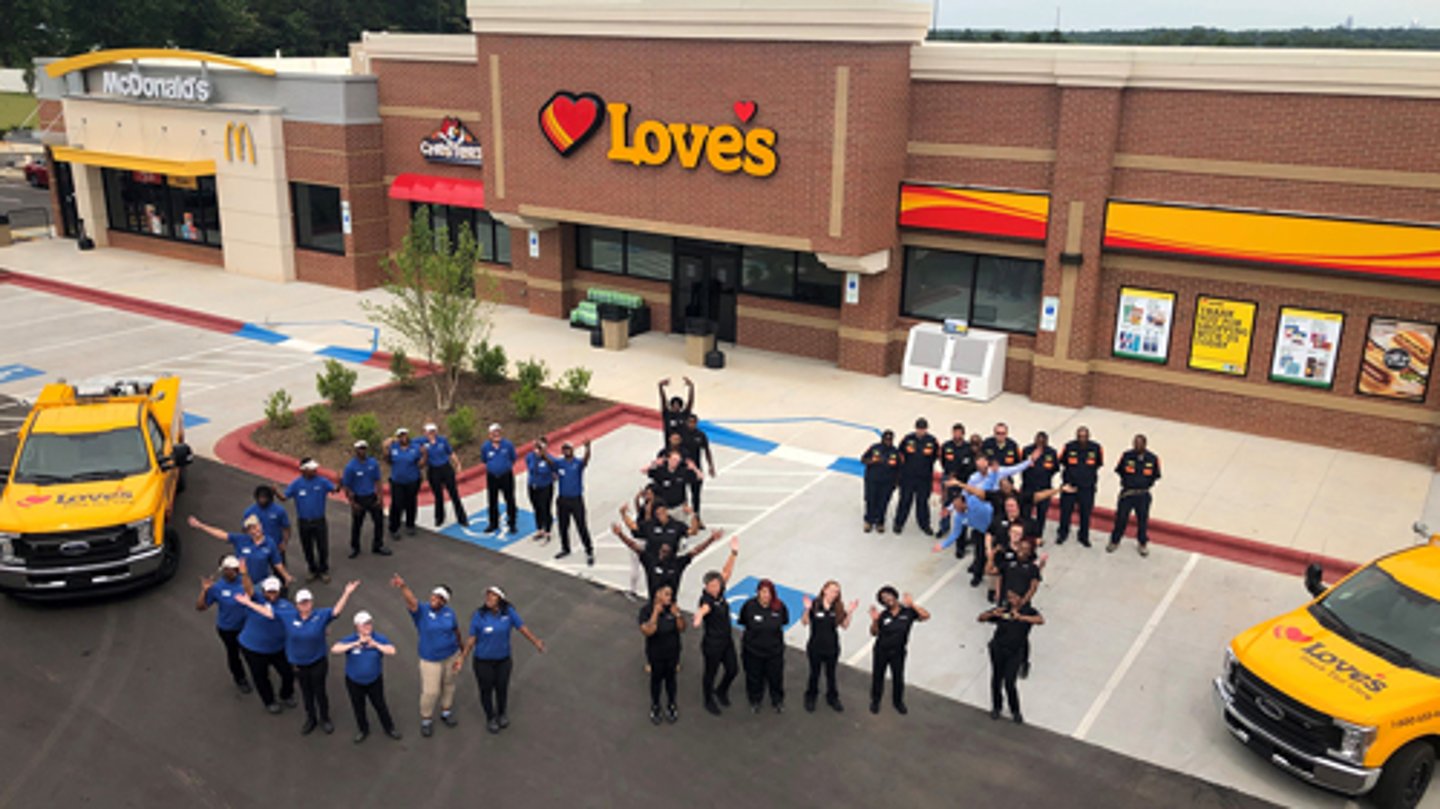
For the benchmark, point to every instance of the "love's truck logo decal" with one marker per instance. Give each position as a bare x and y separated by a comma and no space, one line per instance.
33,500
1291,633
569,119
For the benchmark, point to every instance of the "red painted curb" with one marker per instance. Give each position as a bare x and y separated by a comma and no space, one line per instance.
162,311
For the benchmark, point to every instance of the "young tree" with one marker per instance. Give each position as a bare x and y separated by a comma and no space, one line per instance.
435,305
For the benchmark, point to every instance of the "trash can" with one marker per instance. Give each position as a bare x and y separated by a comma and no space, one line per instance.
614,326
699,340
5,238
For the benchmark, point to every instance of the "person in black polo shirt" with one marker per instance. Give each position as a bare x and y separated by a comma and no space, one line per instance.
662,560
1039,477
1000,447
957,460
826,615
890,626
717,645
1138,469
1009,648
1082,460
917,470
670,475
661,623
762,647
695,447
882,467
673,409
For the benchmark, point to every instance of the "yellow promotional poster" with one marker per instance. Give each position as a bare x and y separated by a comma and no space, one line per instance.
1223,329
1372,248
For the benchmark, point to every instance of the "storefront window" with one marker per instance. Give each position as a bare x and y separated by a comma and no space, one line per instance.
992,292
165,207
600,249
317,218
1007,293
766,271
448,221
650,256
816,283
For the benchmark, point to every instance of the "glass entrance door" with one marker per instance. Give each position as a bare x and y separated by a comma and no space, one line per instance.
65,191
707,279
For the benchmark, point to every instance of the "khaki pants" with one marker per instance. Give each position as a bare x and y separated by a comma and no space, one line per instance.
437,684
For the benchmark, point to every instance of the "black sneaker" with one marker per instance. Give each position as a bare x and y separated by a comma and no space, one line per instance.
244,687
361,736
427,728
384,552
273,707
503,721
1060,538
409,530
671,715
354,553
755,708
722,698
874,706
1025,670
994,713
974,581
901,709
589,559
307,728
880,529
810,703
394,734
492,726
1110,548
896,530
1144,550
779,707
834,702
290,702
655,715
1019,720
449,719
327,727
1084,543
562,554
712,707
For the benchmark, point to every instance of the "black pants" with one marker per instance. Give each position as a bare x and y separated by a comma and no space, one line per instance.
695,485
542,501
715,660
312,689
260,664
916,492
977,565
493,677
1138,502
573,507
367,506
662,672
231,639
442,482
819,662
1004,670
894,660
1085,499
496,485
1037,511
762,672
315,542
404,502
877,500
375,692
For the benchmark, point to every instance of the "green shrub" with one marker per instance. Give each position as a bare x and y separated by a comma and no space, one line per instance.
319,424
531,373
529,401
336,384
365,427
402,372
277,410
575,385
489,362
461,425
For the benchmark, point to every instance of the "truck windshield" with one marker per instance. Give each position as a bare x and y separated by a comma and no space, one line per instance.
50,458
1374,611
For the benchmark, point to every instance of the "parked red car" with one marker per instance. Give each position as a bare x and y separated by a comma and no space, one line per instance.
37,174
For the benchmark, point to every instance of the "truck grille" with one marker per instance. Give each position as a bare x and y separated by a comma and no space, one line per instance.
69,548
1299,726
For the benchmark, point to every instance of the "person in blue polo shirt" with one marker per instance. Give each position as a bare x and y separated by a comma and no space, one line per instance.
489,642
440,641
309,491
406,459
499,457
263,642
365,653
304,628
571,501
360,482
229,616
255,551
540,484
442,468
273,517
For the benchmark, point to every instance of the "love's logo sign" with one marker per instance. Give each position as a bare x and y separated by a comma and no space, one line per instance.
569,119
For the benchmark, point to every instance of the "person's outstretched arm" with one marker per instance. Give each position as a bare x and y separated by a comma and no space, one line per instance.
411,602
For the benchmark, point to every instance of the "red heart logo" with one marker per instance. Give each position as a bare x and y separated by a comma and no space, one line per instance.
1292,634
569,119
745,110
34,500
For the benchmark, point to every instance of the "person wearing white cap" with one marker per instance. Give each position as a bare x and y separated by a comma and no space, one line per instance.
229,616
440,641
257,552
406,459
442,469
489,642
365,653
309,491
571,500
304,627
263,642
360,482
499,457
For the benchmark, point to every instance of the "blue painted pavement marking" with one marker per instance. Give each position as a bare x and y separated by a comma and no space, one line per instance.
354,355
798,419
475,534
252,332
192,420
17,372
744,589
725,436
848,466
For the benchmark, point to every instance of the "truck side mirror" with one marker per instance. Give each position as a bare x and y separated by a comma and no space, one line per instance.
1314,582
181,455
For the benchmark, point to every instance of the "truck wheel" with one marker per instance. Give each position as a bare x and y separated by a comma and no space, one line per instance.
1406,775
170,557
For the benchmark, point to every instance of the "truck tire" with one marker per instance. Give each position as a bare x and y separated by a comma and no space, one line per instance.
170,557
1406,776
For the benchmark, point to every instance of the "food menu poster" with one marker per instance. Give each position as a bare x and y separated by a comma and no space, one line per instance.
1397,359
1223,330
1142,324
1306,344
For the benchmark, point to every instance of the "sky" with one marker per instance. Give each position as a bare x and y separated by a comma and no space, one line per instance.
1031,15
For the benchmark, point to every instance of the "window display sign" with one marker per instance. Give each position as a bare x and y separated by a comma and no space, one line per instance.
1397,361
1222,337
1142,324
1306,344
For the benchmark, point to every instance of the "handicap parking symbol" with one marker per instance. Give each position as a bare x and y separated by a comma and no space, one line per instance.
740,592
17,372
476,535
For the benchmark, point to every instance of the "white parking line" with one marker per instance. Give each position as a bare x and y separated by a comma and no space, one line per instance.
21,324
766,513
930,592
109,335
769,489
1083,729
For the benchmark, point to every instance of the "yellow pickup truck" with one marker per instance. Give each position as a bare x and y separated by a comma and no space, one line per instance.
1344,692
89,497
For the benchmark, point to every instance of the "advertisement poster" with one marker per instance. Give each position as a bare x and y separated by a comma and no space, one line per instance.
1306,343
1142,324
1397,359
1223,330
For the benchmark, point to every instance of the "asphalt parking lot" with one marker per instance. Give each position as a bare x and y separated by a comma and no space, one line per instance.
132,692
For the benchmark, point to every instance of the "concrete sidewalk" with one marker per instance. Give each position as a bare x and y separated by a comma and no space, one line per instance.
1336,503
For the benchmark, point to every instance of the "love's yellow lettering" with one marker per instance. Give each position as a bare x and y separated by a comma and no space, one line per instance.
760,159
723,149
688,151
726,148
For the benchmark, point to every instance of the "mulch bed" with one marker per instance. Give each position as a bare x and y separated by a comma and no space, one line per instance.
412,407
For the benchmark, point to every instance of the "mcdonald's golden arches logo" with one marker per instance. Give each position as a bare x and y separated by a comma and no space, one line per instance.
239,141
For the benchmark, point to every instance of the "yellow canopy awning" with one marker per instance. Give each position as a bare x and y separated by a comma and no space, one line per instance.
113,160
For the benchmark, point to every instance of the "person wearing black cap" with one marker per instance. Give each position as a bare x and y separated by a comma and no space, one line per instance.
762,646
1039,478
890,626
489,642
661,623
674,410
1082,460
1138,469
360,482
882,467
918,451
717,645
1009,648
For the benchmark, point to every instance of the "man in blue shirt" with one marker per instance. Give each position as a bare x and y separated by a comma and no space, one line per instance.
262,640
255,551
229,616
570,504
360,482
442,468
305,649
309,492
499,457
273,517
406,459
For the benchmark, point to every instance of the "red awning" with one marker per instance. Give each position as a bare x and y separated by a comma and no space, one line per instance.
439,190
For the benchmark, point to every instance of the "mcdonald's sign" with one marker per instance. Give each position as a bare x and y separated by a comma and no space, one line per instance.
239,141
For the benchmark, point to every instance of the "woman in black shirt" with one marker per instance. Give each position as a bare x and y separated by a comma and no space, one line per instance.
825,616
1009,648
762,649
661,623
716,643
890,625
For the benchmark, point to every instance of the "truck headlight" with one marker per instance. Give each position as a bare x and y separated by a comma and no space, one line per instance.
1227,667
1355,741
7,549
144,532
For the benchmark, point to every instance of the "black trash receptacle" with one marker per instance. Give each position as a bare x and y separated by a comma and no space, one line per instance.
699,326
597,338
715,359
612,312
